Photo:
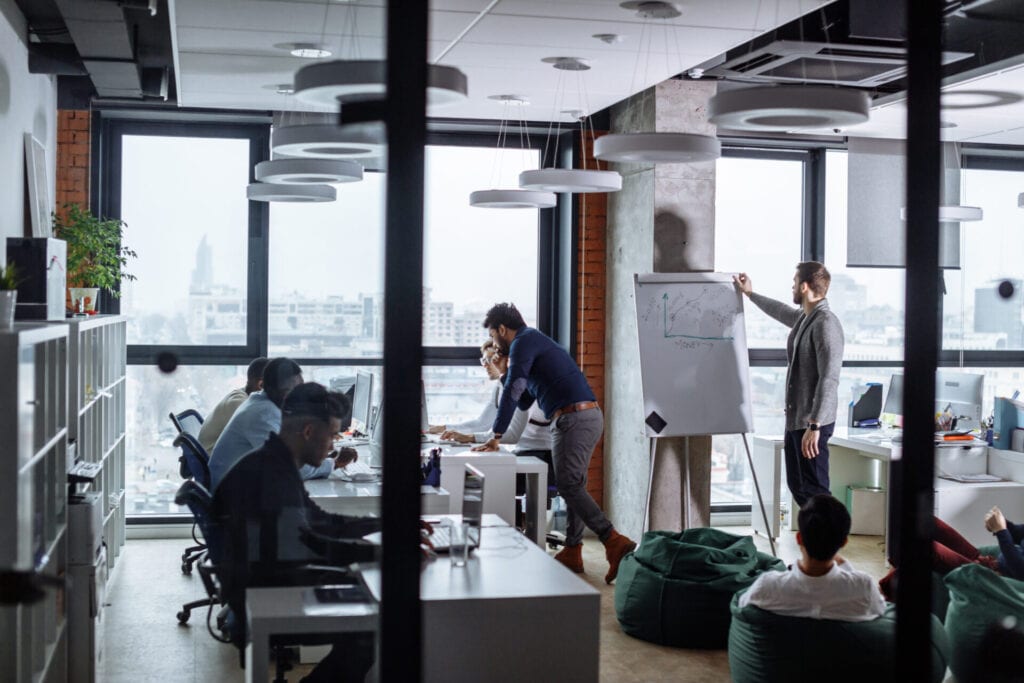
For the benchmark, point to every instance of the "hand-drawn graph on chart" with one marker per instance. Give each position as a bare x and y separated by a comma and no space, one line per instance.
693,354
701,313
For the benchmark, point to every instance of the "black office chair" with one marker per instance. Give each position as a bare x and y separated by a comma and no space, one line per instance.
197,499
196,463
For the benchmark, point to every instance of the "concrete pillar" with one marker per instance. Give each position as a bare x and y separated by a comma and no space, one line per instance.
662,221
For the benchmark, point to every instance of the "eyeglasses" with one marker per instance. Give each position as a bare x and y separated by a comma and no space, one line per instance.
487,360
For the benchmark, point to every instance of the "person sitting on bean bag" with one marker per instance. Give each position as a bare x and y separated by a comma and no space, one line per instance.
951,550
821,585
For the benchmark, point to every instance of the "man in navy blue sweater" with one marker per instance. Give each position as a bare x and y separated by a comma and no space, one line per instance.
541,370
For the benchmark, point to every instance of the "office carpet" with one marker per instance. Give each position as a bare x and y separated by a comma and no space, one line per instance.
143,641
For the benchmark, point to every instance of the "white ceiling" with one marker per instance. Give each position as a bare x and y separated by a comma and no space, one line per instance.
1002,123
225,54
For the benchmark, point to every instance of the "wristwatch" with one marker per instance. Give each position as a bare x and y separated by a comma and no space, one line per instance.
813,426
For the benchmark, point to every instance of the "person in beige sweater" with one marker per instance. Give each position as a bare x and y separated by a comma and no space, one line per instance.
221,414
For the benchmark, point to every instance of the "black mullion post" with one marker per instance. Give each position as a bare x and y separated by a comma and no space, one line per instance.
400,612
257,313
814,206
914,495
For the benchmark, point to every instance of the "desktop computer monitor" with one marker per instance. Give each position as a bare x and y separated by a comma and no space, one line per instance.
962,392
362,399
377,425
892,412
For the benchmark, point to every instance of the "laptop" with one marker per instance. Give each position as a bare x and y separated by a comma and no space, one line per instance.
472,512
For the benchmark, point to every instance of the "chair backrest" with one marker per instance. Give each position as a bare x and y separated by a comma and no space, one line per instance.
187,422
198,500
195,458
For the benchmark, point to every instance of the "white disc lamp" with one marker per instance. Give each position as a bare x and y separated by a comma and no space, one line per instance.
328,83
570,180
954,213
682,148
512,199
351,141
308,171
269,192
788,107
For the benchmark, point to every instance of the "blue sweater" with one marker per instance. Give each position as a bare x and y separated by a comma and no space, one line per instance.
1011,552
539,369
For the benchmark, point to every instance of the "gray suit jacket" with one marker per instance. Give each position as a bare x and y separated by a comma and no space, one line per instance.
815,353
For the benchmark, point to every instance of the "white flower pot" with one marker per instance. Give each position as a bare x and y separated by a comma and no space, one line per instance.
8,297
83,299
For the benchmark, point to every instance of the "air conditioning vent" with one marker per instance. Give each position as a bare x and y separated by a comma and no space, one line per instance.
788,61
755,63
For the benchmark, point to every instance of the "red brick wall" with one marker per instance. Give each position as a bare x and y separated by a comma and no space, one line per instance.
73,154
590,289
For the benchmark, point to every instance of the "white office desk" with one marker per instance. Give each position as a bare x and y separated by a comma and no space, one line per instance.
283,611
500,469
511,614
857,457
351,498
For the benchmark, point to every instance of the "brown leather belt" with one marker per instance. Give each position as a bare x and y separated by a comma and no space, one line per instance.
574,408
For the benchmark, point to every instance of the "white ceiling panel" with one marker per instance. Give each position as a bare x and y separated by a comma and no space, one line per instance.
225,49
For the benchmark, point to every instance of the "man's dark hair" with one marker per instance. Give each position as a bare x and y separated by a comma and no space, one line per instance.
255,372
504,314
815,275
311,401
277,377
824,525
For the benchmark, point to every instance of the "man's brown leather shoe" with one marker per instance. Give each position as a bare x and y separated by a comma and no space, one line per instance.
616,546
572,557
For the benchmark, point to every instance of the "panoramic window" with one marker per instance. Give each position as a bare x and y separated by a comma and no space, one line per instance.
762,196
868,301
183,200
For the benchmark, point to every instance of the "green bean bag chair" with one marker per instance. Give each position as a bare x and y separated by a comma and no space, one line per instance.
979,597
676,587
765,647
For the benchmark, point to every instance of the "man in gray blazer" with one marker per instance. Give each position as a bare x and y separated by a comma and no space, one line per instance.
815,353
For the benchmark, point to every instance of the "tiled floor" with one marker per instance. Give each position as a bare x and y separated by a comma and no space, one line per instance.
145,643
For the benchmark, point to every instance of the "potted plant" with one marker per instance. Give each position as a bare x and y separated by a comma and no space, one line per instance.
96,256
9,282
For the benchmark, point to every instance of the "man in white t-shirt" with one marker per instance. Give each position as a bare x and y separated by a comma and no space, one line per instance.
821,585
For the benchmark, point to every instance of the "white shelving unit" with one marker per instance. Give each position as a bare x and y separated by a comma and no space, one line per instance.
33,496
96,396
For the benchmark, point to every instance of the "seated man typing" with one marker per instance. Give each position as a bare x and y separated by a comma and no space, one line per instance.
266,517
821,585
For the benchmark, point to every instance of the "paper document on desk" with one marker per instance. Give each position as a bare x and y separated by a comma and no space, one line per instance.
971,478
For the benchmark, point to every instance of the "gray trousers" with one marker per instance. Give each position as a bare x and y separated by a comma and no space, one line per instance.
574,436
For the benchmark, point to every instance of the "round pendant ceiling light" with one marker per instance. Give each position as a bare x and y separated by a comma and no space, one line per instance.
570,180
682,148
340,81
954,213
269,192
351,141
512,199
788,107
308,171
